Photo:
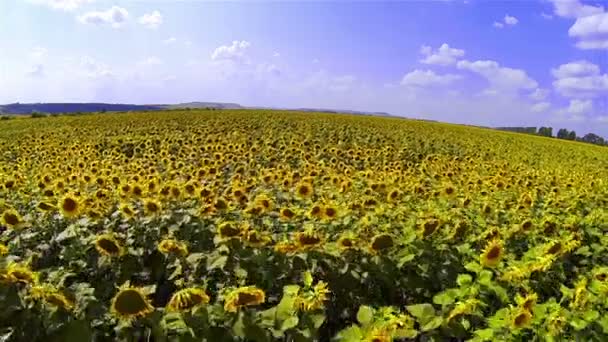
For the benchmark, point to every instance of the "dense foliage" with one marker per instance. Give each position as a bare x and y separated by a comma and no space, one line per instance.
260,226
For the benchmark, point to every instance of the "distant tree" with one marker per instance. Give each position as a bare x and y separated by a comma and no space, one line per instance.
572,135
546,131
36,114
593,139
103,110
563,133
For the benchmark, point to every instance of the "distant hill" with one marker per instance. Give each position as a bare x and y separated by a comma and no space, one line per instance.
198,105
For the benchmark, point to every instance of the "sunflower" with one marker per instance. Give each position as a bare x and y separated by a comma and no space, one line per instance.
287,214
315,212
521,319
152,207
329,212
315,298
256,239
19,274
393,195
304,190
244,296
378,335
187,299
44,206
307,240
127,211
527,302
381,242
3,249
11,218
130,303
107,245
286,247
70,206
228,230
428,227
51,296
492,254
347,242
171,246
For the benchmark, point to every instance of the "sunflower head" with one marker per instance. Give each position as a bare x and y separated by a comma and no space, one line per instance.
381,242
107,245
287,214
492,254
187,299
130,303
528,301
228,230
51,296
11,218
244,296
19,274
256,239
304,190
3,249
70,206
521,319
428,227
307,240
347,242
171,246
285,247
330,212
152,207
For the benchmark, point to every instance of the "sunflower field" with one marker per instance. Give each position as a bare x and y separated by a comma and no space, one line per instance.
284,226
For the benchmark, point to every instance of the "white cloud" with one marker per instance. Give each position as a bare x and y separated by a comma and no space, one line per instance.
574,9
276,54
539,94
575,69
546,16
91,68
170,40
39,53
500,78
236,51
498,24
592,31
509,20
36,71
115,16
424,78
444,55
602,119
580,79
65,5
315,61
150,61
540,107
580,107
151,20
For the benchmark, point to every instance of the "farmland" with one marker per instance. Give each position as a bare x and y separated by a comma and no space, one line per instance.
265,225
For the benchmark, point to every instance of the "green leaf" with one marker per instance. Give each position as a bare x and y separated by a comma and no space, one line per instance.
307,279
76,331
464,280
604,324
405,333
473,267
446,297
351,334
217,262
365,315
578,323
485,277
591,315
290,323
286,307
432,324
317,320
423,312
485,334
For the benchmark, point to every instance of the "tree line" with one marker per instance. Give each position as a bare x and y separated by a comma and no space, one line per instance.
562,133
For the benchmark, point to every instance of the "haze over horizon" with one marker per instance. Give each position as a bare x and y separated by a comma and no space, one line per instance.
533,63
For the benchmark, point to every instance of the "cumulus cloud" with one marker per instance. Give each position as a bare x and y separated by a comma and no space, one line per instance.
425,78
114,16
579,107
64,5
92,68
539,94
591,31
580,79
170,40
500,78
151,20
39,53
574,9
150,61
444,55
546,16
507,20
575,69
235,51
540,107
36,71
510,20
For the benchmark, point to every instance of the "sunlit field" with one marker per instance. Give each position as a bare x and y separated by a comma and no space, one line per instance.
285,226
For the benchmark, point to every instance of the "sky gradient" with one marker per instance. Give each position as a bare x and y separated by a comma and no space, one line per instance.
493,63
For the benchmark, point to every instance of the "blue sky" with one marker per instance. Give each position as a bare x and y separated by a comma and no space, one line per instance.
479,62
